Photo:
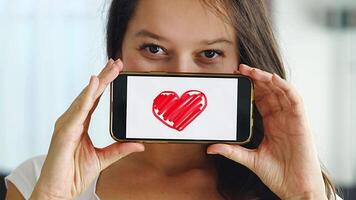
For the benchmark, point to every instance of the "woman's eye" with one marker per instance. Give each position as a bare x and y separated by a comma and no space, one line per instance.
210,54
153,49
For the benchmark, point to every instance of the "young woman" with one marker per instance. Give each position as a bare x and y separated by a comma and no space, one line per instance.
211,36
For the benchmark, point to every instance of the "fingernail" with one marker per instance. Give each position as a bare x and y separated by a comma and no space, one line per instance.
115,67
241,66
109,64
141,149
118,61
119,65
244,65
211,152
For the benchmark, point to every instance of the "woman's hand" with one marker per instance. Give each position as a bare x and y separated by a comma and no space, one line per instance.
73,162
286,160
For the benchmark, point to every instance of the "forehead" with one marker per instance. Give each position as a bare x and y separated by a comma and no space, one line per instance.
184,20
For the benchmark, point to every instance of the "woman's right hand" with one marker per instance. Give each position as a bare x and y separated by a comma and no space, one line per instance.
73,162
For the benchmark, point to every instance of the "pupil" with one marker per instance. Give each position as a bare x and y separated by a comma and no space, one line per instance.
154,49
209,54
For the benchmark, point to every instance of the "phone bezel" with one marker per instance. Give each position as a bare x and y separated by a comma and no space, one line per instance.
118,102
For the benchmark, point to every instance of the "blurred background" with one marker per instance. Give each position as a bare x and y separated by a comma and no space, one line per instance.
49,49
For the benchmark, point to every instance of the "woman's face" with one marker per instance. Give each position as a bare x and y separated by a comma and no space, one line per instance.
179,36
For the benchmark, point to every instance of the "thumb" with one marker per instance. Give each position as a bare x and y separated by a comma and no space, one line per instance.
116,151
246,157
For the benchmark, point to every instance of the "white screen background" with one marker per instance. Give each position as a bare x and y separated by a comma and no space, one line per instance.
216,122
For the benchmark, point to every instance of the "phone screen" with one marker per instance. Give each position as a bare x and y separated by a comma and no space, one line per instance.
181,108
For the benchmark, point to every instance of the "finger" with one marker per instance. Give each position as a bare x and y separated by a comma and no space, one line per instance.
267,90
116,151
261,89
288,90
103,77
88,119
109,73
270,99
283,98
236,71
82,105
79,112
245,69
236,153
266,99
255,73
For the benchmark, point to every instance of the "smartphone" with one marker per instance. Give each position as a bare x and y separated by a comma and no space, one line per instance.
181,108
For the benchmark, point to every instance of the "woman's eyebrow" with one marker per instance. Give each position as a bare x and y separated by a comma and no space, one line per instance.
146,33
219,40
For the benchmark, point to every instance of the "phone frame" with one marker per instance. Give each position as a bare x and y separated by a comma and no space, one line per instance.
241,126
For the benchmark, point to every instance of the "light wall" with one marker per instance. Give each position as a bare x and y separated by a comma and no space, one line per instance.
321,64
48,50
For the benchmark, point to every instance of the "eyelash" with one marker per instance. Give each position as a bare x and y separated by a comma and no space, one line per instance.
216,51
144,47
148,45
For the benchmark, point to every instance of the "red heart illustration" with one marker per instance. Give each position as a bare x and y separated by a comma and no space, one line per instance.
178,112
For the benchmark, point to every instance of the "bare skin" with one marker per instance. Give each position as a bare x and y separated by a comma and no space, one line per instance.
166,36
160,180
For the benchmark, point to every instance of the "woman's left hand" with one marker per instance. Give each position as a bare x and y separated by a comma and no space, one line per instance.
286,160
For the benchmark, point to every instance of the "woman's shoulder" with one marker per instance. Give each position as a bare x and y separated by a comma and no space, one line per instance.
25,176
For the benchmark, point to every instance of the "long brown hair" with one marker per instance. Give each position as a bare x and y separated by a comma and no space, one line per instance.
257,47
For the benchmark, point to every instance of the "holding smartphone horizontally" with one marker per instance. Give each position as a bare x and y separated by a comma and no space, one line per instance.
181,107
200,44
